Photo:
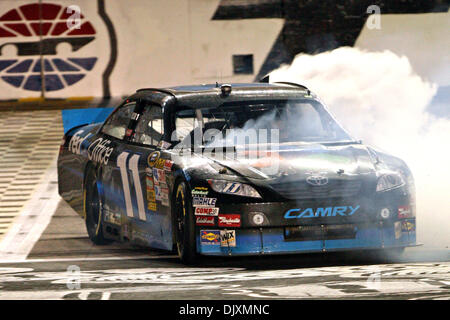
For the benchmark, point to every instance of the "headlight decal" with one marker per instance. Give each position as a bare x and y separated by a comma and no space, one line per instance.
389,181
233,188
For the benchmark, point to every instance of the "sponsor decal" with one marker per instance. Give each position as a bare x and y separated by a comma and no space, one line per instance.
129,132
149,182
203,202
163,194
34,30
408,226
159,163
229,220
152,158
204,221
160,175
227,238
76,142
200,191
163,145
206,211
299,213
168,165
98,151
210,237
151,195
404,211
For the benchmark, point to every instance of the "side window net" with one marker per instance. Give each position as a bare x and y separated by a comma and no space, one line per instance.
150,127
118,123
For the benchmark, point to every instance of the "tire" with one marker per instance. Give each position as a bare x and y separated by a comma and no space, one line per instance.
93,212
184,225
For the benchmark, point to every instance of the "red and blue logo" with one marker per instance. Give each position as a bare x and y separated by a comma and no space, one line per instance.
38,39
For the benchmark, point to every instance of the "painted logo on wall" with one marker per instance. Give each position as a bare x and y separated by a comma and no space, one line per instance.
30,30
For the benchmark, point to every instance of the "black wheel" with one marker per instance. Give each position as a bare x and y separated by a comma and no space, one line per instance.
184,225
93,212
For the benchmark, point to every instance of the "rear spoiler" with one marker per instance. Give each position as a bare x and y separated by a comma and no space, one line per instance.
78,117
266,79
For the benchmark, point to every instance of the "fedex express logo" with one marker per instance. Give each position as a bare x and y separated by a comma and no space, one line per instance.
320,212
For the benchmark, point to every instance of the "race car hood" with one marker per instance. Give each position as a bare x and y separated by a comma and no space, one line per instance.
297,162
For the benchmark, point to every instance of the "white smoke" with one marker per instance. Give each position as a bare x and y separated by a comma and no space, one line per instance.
378,98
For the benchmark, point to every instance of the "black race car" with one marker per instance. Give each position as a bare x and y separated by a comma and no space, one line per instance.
241,169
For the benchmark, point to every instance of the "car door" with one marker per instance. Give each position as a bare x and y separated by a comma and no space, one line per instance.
115,193
149,222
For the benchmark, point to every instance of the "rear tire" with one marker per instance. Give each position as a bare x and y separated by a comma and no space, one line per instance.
93,211
184,225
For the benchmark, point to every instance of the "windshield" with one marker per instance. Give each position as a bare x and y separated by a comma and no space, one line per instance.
250,122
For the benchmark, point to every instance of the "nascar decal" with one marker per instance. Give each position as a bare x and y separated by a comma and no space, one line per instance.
203,202
320,212
229,220
24,38
204,221
206,211
227,238
200,191
210,237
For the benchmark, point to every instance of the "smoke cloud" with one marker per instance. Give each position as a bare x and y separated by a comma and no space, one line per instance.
379,98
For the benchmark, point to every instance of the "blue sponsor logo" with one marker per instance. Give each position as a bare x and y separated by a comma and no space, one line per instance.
299,213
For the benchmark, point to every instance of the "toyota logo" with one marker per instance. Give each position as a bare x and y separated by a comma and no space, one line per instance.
317,180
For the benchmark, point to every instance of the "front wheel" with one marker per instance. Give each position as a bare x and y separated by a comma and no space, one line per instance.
184,225
93,211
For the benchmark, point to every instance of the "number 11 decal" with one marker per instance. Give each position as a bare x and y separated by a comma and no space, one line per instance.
133,167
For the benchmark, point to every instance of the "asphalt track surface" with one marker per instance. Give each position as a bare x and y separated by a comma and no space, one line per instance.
63,264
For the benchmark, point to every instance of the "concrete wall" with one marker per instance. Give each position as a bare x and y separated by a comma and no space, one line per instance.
125,45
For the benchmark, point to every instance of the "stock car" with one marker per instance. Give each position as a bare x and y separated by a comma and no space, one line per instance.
194,169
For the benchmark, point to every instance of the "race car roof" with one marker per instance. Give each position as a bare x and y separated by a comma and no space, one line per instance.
211,95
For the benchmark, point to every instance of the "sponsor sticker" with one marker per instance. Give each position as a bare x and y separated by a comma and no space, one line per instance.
164,145
404,211
229,220
151,196
227,238
408,226
152,158
159,176
200,191
159,163
168,165
203,202
210,237
206,211
204,221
